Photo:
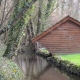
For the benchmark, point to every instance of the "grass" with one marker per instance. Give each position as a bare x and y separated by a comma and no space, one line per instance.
73,58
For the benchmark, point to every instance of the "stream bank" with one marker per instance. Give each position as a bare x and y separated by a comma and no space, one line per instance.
63,65
38,68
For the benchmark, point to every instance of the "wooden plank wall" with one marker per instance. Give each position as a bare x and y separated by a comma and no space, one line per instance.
64,39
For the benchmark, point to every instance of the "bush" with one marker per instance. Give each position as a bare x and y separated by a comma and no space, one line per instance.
9,70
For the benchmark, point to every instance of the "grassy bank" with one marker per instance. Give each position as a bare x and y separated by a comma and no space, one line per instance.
65,66
73,58
69,63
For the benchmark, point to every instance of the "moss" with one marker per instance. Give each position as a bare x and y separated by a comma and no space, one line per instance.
43,50
66,66
15,33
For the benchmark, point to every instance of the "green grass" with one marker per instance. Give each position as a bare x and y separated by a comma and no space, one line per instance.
73,58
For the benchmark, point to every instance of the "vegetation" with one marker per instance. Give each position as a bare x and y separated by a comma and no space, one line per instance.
16,32
73,58
66,65
22,20
68,62
43,50
9,70
25,19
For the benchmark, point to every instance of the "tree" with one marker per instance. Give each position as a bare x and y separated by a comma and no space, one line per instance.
24,20
17,25
31,16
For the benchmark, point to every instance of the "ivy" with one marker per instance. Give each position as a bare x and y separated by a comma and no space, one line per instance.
16,32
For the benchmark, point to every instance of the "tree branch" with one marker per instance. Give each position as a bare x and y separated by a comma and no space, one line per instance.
0,2
18,16
3,13
5,18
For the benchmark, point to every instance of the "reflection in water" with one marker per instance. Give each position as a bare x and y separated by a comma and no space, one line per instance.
37,68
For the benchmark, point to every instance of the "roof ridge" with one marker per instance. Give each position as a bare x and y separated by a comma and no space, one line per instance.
55,26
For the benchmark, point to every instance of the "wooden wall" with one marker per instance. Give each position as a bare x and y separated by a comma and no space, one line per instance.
64,39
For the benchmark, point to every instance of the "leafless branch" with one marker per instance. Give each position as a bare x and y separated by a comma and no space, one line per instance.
0,2
18,16
6,16
3,13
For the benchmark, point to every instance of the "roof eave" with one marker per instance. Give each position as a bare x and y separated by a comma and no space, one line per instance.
54,27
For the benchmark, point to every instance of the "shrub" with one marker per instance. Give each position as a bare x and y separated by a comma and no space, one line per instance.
9,70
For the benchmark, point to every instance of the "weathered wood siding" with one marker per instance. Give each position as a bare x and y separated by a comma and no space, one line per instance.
64,39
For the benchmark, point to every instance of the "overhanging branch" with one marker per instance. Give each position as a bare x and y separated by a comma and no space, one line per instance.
18,16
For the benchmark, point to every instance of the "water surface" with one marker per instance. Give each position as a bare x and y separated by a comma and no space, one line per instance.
37,68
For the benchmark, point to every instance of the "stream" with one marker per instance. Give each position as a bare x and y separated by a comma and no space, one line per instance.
37,68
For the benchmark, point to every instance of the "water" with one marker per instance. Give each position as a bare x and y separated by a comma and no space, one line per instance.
37,68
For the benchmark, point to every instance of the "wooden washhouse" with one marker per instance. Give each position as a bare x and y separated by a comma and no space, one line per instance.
61,38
